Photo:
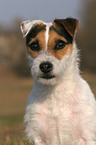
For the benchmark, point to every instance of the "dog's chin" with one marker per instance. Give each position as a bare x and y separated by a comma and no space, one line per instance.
47,79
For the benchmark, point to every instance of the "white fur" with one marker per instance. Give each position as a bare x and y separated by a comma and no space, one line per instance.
47,33
27,25
60,111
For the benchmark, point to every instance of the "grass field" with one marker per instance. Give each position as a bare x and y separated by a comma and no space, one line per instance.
14,94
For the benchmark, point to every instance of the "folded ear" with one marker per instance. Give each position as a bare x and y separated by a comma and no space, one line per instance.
70,24
27,25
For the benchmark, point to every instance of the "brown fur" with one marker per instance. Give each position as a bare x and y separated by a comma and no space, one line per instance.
41,39
59,54
70,24
53,37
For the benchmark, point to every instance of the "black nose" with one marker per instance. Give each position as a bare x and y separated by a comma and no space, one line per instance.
46,67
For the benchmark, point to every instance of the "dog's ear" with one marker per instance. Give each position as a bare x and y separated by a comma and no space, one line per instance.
27,25
70,24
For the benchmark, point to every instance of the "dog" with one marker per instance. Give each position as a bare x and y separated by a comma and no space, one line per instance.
61,109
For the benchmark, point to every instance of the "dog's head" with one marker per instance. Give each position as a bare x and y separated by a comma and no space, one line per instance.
49,46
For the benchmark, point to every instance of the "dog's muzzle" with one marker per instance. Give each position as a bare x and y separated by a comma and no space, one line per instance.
46,68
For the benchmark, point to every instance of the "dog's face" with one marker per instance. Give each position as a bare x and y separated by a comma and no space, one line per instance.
49,46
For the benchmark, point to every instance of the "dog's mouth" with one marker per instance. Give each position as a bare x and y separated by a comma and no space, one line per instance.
47,76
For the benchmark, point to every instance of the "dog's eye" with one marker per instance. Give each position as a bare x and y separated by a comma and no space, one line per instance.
60,45
34,46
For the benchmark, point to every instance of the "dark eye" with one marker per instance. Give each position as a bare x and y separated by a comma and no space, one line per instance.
34,46
60,45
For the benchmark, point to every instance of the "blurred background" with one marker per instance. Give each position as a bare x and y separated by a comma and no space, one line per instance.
15,79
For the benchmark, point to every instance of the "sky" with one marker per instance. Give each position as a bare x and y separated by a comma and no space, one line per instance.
46,10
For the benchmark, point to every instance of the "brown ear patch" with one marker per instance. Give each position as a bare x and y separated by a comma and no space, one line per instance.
60,30
70,25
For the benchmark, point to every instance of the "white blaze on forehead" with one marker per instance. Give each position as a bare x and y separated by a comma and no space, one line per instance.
47,34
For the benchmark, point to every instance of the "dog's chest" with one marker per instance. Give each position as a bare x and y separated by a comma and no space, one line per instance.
57,118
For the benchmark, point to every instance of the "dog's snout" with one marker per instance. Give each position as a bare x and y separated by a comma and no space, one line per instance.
46,67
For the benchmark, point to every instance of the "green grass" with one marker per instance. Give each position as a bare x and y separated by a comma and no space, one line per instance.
14,94
11,121
12,130
14,141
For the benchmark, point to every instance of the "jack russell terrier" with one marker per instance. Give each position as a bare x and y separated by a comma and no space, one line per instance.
61,109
